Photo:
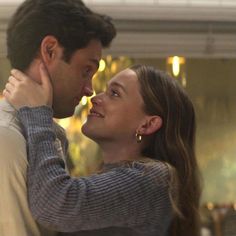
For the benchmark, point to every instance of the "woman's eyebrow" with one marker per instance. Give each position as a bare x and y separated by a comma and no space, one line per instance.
118,85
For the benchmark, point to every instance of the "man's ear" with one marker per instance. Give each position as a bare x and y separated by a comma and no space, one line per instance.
150,125
49,49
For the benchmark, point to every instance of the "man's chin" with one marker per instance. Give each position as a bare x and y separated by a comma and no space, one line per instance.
62,114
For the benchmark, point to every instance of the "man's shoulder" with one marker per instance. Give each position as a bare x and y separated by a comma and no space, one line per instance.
8,118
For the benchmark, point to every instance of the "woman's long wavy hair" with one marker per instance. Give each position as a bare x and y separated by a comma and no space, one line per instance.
174,142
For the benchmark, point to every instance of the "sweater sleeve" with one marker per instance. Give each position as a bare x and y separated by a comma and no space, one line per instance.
122,197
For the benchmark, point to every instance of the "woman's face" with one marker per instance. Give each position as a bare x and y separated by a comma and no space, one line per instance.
117,112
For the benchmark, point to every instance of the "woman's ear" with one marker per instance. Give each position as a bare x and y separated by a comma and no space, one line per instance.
150,125
49,49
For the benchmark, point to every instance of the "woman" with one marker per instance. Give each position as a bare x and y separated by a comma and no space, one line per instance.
145,125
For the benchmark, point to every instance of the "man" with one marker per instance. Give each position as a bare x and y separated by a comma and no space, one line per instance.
68,38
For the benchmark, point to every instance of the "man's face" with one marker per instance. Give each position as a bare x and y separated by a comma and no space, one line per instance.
73,80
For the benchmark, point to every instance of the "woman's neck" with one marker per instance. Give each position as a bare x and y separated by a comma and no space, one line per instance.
116,153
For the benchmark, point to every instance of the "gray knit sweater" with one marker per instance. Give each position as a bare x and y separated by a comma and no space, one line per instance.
126,199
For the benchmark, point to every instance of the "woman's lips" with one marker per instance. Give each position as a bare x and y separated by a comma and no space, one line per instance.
94,112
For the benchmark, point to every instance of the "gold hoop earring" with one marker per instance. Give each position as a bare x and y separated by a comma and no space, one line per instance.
138,137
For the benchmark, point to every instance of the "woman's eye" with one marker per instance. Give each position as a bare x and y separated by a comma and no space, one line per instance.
114,93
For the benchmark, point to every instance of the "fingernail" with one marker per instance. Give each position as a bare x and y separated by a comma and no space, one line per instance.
13,71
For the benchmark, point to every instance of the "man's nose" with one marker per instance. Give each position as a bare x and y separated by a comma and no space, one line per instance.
88,91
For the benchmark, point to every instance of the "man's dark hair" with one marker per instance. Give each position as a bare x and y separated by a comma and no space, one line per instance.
69,21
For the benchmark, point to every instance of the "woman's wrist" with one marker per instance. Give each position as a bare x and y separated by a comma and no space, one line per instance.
36,116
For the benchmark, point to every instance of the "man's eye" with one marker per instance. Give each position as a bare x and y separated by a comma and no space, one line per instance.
87,76
88,71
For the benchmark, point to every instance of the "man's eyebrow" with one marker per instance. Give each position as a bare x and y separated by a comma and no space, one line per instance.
96,62
118,85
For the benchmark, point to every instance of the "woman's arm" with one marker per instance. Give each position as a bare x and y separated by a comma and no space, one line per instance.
121,197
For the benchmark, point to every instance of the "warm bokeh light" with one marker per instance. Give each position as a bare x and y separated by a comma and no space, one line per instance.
234,206
176,63
102,65
84,100
113,67
176,66
210,206
65,123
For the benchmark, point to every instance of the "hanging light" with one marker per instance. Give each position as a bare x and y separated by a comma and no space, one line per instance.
176,67
176,62
210,206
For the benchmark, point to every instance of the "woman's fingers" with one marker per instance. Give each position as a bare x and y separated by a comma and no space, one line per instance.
18,75
5,93
9,94
9,87
22,90
13,81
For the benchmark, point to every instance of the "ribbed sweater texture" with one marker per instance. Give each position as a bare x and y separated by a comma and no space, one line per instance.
125,199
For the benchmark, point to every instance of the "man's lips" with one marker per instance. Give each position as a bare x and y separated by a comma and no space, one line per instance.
94,112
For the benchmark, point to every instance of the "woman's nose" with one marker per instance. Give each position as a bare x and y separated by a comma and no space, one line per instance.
97,100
